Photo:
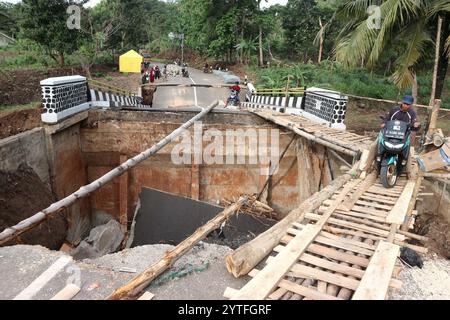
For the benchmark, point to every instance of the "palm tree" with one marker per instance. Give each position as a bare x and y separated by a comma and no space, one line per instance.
245,48
411,22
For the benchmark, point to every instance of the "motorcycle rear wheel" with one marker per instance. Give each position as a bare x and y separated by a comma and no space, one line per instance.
388,175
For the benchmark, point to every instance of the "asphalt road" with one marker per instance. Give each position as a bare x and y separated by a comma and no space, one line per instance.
175,97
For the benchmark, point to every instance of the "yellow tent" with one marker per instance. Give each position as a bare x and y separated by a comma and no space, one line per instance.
130,62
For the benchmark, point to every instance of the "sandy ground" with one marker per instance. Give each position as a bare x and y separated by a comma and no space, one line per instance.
202,267
432,282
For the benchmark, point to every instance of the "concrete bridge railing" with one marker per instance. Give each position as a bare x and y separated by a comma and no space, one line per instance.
63,97
319,105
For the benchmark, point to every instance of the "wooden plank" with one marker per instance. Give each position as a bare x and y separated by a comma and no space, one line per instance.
355,226
379,199
341,244
383,194
339,268
333,266
302,271
68,293
362,215
230,292
351,241
368,181
373,205
356,214
305,291
265,281
246,257
375,282
337,255
386,192
362,221
29,292
147,296
260,286
339,241
398,213
371,211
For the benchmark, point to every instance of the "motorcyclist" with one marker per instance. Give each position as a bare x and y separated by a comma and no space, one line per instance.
237,89
407,114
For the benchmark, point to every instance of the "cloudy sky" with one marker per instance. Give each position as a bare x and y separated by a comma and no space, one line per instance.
94,2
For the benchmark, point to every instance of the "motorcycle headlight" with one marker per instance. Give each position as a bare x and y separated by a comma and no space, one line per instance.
394,146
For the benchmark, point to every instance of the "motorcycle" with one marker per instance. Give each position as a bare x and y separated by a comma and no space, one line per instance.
233,100
185,73
393,140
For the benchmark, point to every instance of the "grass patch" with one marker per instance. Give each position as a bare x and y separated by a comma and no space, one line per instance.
4,110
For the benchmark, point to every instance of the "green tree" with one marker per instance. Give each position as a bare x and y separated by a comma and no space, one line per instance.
45,22
9,15
301,24
409,24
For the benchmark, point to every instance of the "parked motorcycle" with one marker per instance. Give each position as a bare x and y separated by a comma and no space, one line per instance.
393,140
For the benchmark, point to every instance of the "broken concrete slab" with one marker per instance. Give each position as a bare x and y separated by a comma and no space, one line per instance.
102,240
158,210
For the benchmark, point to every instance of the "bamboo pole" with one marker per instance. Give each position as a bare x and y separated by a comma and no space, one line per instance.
27,224
436,61
242,260
133,288
391,101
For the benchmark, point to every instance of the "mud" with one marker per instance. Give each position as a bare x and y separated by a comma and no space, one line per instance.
22,194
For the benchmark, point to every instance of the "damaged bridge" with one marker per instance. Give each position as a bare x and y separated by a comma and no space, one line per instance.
339,234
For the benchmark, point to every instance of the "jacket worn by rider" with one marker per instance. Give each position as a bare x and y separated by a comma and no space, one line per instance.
397,113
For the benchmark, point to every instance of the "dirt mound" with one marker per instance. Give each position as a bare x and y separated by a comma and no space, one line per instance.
19,121
23,86
437,229
23,194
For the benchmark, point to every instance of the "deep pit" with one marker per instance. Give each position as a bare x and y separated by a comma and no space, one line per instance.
51,162
80,149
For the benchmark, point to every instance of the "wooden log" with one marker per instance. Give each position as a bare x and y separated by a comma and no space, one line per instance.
246,257
141,281
27,224
67,293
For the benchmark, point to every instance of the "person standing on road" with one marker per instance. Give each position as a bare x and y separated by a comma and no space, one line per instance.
152,75
148,92
165,72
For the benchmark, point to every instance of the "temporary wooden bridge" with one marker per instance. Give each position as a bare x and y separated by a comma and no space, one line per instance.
343,242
